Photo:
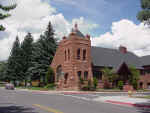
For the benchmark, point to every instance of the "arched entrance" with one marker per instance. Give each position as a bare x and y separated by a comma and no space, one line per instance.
58,72
141,85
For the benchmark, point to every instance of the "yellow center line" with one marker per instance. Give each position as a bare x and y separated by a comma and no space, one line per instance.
47,108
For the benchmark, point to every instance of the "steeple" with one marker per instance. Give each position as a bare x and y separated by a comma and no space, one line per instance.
76,27
77,31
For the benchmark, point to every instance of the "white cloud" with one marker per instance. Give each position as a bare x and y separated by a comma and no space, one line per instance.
33,16
84,25
126,33
31,9
69,2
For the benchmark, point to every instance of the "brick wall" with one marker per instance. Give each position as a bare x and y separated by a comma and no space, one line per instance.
144,79
72,65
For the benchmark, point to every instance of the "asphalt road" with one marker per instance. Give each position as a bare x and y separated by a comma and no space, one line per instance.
29,102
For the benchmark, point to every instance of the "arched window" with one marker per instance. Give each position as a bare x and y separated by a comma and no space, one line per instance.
86,75
58,72
68,54
65,55
79,74
78,54
84,54
66,78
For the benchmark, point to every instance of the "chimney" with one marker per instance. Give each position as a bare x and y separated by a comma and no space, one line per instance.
123,49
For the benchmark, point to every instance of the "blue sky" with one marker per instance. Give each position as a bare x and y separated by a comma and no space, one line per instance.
102,12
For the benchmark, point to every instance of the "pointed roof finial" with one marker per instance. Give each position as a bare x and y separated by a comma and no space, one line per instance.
76,26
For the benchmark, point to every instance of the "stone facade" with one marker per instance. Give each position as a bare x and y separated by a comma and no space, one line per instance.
73,60
73,57
144,82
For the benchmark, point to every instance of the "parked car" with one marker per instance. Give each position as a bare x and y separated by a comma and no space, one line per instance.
9,86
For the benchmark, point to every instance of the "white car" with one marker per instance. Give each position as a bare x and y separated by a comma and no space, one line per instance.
9,86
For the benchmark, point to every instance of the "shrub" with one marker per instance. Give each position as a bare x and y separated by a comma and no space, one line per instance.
81,81
95,82
50,86
120,85
85,88
134,77
50,78
88,87
135,84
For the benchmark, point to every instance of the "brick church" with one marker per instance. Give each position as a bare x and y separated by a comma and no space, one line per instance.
75,58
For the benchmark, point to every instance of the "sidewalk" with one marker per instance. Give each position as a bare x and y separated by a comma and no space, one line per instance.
125,100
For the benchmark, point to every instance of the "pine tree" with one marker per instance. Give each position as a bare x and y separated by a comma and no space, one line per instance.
14,63
3,65
144,14
3,16
26,49
44,51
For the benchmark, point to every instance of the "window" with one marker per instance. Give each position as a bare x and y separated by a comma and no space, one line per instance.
68,54
84,54
78,54
58,72
66,78
97,75
65,55
86,75
79,74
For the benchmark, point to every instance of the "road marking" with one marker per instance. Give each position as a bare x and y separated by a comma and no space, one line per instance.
78,97
47,108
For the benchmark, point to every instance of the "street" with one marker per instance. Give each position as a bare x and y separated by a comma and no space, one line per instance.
16,101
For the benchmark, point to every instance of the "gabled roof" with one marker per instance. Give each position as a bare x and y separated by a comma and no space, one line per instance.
113,58
145,60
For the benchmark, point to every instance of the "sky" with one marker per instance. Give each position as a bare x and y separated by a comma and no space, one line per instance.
110,23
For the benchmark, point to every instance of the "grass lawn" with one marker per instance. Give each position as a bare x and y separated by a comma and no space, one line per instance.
109,90
35,88
145,97
40,88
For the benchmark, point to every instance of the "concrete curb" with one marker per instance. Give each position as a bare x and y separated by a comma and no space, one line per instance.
128,104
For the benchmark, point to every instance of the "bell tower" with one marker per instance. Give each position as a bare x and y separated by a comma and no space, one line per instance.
74,56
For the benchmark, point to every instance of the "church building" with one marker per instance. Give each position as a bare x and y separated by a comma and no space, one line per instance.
75,58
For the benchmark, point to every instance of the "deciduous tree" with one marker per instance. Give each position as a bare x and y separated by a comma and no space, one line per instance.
144,14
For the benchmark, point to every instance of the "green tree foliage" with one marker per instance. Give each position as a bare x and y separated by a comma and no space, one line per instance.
2,70
3,16
95,82
44,51
134,77
109,77
50,77
120,85
144,14
26,51
13,71
109,74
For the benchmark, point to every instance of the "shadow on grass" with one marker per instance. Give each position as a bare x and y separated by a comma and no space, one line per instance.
16,109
